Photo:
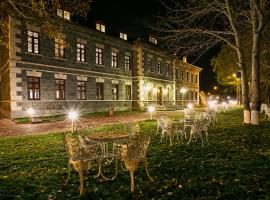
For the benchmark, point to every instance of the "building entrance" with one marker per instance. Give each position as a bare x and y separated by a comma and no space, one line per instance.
159,96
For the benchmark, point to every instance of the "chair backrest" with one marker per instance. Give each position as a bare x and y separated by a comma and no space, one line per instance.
81,152
136,147
132,128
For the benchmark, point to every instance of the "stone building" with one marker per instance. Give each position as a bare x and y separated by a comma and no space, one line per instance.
88,70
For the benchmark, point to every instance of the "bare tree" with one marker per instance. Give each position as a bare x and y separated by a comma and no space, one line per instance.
37,11
258,12
199,25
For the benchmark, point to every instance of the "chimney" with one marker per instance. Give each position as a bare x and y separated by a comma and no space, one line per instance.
185,59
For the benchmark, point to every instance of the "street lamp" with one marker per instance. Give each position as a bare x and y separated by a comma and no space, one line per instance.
183,92
190,106
31,112
151,109
72,115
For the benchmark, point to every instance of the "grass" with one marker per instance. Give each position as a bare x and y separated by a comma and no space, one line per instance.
235,165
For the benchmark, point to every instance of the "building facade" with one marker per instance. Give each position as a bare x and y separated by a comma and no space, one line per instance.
88,70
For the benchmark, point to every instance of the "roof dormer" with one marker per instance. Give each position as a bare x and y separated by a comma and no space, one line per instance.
123,36
63,14
152,39
100,26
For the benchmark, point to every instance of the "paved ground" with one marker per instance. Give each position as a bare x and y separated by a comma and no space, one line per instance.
10,128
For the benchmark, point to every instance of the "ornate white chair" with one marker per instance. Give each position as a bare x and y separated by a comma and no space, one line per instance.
134,152
80,156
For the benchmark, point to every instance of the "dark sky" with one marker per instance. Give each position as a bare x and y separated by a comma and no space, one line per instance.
133,17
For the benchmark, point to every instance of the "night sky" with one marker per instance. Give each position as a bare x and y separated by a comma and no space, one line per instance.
133,17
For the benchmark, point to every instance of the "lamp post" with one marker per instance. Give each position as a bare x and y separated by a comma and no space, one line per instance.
151,109
183,92
72,115
31,112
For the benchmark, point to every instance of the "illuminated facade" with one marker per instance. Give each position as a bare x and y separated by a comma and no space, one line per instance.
88,70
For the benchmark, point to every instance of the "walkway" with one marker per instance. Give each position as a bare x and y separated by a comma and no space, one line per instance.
10,128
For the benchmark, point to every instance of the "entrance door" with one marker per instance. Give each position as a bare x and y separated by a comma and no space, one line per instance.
159,96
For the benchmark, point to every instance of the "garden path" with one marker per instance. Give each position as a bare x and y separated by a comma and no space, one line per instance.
11,128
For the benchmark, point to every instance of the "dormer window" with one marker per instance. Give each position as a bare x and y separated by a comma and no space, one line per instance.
100,26
123,36
64,14
152,39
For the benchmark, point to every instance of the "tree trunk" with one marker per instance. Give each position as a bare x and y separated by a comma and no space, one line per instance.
242,66
255,87
255,71
244,82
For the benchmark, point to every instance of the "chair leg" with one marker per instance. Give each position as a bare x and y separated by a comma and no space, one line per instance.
206,136
146,169
190,137
131,181
170,137
200,134
81,180
162,135
69,169
116,170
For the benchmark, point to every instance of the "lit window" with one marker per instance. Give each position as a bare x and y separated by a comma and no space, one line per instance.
59,48
127,62
159,67
32,42
99,91
99,56
181,75
59,13
100,27
149,64
64,14
149,95
123,36
114,59
60,89
33,88
80,52
167,68
67,15
115,92
81,90
128,92
176,74
153,39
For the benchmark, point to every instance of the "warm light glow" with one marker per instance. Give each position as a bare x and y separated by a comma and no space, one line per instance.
190,106
148,87
224,104
217,97
155,90
183,90
72,115
165,91
215,87
210,97
233,102
30,111
151,109
208,93
228,97
212,103
234,75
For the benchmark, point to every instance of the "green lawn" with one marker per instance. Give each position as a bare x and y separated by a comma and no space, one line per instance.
235,165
